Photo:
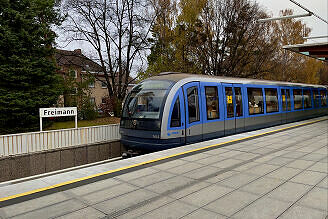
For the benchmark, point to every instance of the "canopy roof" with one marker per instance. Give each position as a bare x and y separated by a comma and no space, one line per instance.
315,50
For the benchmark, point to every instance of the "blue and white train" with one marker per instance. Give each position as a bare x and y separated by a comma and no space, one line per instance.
175,109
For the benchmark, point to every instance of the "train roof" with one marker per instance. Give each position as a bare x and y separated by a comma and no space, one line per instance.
176,76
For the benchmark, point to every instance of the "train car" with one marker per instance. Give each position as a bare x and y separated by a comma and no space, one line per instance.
174,109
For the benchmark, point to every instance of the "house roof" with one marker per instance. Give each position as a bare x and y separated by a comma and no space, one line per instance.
76,58
315,50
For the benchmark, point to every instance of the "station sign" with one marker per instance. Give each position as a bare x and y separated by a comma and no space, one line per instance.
57,112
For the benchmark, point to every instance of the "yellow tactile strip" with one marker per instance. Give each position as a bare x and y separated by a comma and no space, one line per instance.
147,162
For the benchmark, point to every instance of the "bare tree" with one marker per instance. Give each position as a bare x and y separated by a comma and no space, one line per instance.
117,32
236,43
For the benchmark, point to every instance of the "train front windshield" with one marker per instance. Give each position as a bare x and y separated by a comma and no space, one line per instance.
142,108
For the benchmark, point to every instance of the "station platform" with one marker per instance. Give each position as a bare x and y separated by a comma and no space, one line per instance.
277,172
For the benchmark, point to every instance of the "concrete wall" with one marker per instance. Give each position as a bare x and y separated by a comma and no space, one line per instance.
19,166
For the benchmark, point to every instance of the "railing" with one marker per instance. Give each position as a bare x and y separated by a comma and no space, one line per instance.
46,140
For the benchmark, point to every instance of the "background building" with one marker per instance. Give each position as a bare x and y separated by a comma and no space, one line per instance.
73,64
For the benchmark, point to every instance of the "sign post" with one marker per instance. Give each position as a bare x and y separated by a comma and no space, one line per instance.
57,112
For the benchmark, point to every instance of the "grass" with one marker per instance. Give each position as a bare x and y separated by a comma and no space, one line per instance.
84,123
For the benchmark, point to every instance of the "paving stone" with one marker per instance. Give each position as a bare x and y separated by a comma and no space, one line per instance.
263,208
262,151
289,191
232,154
134,213
238,180
262,185
262,169
319,167
303,212
325,160
249,148
53,210
189,190
221,176
308,177
195,157
217,151
185,168
211,160
279,161
324,183
306,149
108,193
204,214
314,156
84,213
175,209
300,164
323,150
34,204
202,172
231,203
206,195
151,179
94,187
245,156
246,166
137,174
170,164
227,163
124,203
264,159
316,198
284,173
170,184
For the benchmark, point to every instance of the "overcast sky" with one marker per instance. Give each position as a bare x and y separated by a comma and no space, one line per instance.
319,28
319,7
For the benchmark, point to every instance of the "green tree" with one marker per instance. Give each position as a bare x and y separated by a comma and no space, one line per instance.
77,93
27,70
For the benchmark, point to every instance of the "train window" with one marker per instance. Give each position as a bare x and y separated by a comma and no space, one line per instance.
193,105
176,115
144,104
212,102
288,100
239,102
255,101
283,97
229,101
307,99
297,99
323,95
271,100
316,98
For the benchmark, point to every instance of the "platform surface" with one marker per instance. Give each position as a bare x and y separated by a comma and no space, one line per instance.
278,172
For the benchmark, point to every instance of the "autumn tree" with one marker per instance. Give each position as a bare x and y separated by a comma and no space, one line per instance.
161,56
217,38
116,30
287,32
290,66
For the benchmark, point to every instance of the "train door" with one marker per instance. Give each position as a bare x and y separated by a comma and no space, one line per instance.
234,121
233,109
286,104
194,126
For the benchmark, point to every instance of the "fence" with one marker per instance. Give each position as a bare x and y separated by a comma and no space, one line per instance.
46,140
